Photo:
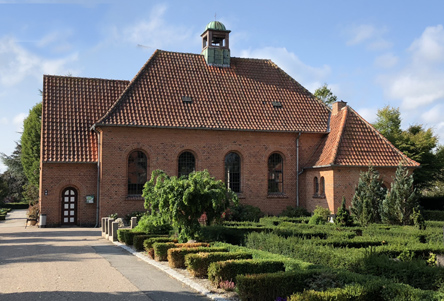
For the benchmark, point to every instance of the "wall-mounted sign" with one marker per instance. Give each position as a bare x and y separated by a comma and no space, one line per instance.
90,199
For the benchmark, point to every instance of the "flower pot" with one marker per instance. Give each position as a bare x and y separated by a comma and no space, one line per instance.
31,222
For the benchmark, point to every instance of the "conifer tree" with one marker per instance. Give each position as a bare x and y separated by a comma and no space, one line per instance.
401,200
367,200
30,157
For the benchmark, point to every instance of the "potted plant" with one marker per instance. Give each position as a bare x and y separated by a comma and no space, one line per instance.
33,214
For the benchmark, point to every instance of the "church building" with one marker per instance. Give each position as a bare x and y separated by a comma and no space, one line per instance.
244,120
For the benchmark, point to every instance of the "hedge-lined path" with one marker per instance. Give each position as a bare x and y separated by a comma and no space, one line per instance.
76,264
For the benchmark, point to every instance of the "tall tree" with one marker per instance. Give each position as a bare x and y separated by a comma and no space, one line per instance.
367,200
14,176
30,142
388,123
417,143
401,199
325,94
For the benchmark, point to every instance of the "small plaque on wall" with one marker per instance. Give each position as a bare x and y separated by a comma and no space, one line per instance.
90,199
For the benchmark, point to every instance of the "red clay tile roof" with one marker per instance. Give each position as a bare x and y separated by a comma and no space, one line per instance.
71,105
352,141
236,98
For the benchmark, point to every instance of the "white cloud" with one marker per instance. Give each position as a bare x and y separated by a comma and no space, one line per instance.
387,60
18,121
369,114
18,63
310,77
154,32
369,35
421,81
429,48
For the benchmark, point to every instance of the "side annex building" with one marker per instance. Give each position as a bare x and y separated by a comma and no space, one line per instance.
244,120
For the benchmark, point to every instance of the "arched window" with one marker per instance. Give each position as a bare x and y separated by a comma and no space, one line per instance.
315,186
322,187
137,172
187,164
233,172
275,174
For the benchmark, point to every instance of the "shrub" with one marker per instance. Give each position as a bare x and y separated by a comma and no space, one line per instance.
433,215
138,240
176,256
244,212
223,234
228,270
322,212
295,212
161,250
316,220
121,234
198,263
343,217
148,243
129,236
153,225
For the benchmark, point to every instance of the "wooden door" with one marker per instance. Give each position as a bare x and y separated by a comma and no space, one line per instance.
69,206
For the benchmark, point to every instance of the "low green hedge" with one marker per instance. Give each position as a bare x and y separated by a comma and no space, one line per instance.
24,205
228,270
433,215
2,217
198,263
121,234
161,250
229,234
138,240
176,256
129,236
323,284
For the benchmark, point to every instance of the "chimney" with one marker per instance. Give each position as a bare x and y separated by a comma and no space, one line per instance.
337,106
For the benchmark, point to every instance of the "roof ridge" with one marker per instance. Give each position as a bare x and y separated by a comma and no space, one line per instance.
83,78
132,82
371,127
340,134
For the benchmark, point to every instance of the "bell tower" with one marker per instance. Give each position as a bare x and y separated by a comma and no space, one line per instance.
215,44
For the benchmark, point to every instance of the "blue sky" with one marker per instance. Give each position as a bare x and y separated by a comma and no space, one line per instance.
370,53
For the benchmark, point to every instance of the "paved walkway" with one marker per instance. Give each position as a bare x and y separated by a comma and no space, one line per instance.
76,264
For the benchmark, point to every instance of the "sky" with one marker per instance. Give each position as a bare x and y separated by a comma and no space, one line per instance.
370,53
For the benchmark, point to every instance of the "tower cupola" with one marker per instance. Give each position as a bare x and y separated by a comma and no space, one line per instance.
215,44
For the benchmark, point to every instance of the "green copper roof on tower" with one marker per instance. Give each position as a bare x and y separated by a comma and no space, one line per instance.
216,25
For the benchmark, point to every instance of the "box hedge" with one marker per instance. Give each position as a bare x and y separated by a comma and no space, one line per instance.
228,270
121,234
176,256
138,240
161,250
198,263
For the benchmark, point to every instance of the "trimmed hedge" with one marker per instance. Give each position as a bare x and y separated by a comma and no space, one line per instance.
129,236
323,284
229,234
198,263
161,250
176,256
433,215
138,240
16,205
228,270
121,234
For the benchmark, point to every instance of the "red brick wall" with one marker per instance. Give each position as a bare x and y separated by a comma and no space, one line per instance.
339,182
163,147
55,177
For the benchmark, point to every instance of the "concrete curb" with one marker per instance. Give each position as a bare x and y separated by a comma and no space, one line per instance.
202,290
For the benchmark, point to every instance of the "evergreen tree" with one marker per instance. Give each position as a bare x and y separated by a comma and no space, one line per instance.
30,158
401,200
14,176
367,200
343,217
